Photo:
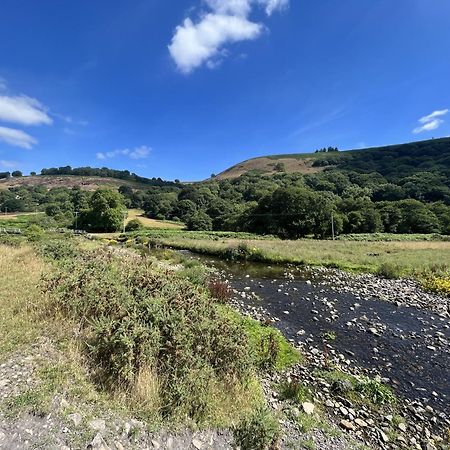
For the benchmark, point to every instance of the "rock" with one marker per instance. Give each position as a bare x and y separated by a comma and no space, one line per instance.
156,444
98,443
75,418
346,424
308,408
361,423
402,427
97,425
2,437
197,444
119,446
383,436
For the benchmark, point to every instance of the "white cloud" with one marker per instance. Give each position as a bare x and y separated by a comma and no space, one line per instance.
274,5
23,110
8,164
141,152
431,122
16,138
197,43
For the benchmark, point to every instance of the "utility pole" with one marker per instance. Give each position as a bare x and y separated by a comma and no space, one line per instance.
332,225
76,220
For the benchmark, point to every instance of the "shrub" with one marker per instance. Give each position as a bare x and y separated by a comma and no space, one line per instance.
58,250
220,291
134,225
438,284
259,432
136,320
34,233
389,271
243,252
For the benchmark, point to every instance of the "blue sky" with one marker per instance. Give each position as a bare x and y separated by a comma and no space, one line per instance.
184,88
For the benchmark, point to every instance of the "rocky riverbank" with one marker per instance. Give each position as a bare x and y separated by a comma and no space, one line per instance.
361,326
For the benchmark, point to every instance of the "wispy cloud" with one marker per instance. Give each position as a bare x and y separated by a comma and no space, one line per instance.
141,152
3,85
23,110
8,164
226,21
16,138
431,122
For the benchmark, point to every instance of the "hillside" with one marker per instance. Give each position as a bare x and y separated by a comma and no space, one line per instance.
69,181
390,161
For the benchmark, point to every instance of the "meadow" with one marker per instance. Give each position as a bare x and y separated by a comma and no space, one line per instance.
408,254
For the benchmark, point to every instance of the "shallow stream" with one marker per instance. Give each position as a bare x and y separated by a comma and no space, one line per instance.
410,346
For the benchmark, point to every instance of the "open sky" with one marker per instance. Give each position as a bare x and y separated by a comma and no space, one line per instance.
184,88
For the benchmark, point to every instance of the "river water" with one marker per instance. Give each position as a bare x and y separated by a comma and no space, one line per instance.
409,346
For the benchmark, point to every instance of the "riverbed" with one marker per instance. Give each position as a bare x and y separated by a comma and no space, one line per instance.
406,345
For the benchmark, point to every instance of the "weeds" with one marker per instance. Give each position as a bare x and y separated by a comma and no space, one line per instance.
295,390
258,432
389,271
359,389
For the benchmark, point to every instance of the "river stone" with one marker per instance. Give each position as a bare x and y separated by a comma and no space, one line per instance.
197,444
402,427
362,423
347,425
98,443
308,408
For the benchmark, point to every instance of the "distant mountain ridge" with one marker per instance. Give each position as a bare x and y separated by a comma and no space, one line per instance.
391,161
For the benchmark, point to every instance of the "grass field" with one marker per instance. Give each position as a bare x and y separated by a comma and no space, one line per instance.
152,223
19,220
409,257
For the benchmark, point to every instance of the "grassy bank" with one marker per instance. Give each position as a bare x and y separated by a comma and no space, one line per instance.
132,337
407,257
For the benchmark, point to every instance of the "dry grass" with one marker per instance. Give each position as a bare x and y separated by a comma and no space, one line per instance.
15,216
19,276
152,223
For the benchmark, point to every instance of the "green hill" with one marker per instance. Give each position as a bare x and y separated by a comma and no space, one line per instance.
394,161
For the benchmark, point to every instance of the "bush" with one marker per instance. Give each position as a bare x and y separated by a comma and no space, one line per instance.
259,432
438,284
134,225
58,250
199,221
389,271
34,233
220,291
136,320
